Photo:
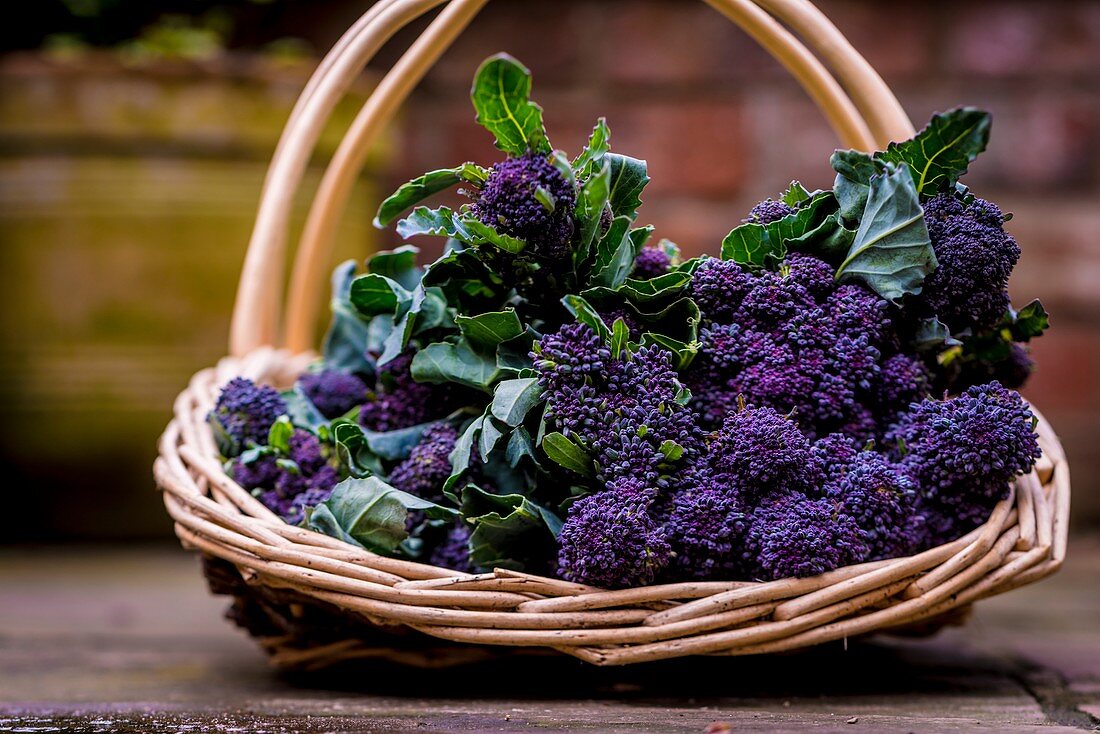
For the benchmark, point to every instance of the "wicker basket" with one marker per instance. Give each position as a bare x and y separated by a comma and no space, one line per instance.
313,600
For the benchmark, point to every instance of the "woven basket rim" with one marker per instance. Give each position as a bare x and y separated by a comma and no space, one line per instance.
1024,540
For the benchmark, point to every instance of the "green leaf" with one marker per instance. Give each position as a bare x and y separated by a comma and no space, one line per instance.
397,444
599,142
755,245
345,344
940,153
439,222
892,252
671,450
509,531
1029,322
491,433
443,362
932,335
372,514
421,188
466,281
562,451
398,265
590,205
403,328
584,313
374,294
684,352
615,255
278,436
301,411
750,245
479,233
486,331
353,451
515,354
461,454
620,338
502,98
629,178
854,171
795,195
544,197
830,240
654,289
513,399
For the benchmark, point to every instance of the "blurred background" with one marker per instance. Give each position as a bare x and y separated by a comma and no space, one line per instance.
134,137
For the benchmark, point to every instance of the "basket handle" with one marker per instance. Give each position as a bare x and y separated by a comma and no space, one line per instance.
869,118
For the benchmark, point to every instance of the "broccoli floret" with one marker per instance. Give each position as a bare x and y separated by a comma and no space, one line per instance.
245,412
792,535
507,202
453,551
879,497
834,453
400,401
332,392
610,539
812,273
718,287
772,300
762,452
428,465
258,474
962,452
976,256
651,263
293,509
706,528
768,211
902,380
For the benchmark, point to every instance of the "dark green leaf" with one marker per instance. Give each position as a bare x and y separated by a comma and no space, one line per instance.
398,265
795,195
461,455
509,531
599,142
891,252
352,449
584,313
854,172
562,451
940,153
615,255
629,178
1029,322
443,362
301,411
663,286
395,445
421,188
830,240
513,399
684,351
345,343
515,354
486,331
750,245
590,205
502,98
441,222
932,335
479,233
491,433
374,294
372,514
620,338
755,245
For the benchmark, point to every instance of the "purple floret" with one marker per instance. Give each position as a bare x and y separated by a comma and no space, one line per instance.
650,263
762,452
706,528
454,550
333,393
879,497
768,211
428,465
963,452
792,535
611,540
246,411
856,310
813,274
773,300
305,451
312,497
976,257
507,203
258,474
718,287
400,401
903,379
834,453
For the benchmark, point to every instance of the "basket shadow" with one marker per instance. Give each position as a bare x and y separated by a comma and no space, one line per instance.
874,667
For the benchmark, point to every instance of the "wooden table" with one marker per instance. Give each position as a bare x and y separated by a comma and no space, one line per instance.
129,640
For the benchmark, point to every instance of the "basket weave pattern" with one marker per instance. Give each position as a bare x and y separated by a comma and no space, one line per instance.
374,605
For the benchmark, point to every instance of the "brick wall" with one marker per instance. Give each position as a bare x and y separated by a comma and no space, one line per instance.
722,127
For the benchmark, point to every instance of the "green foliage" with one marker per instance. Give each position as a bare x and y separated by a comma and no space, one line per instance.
502,98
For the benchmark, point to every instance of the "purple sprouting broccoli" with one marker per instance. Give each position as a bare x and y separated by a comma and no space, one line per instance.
260,473
768,211
293,510
508,202
792,535
453,551
400,401
903,379
332,392
610,539
834,453
812,273
963,452
718,287
853,309
244,414
706,527
304,449
428,465
762,452
651,263
879,497
773,299
976,257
